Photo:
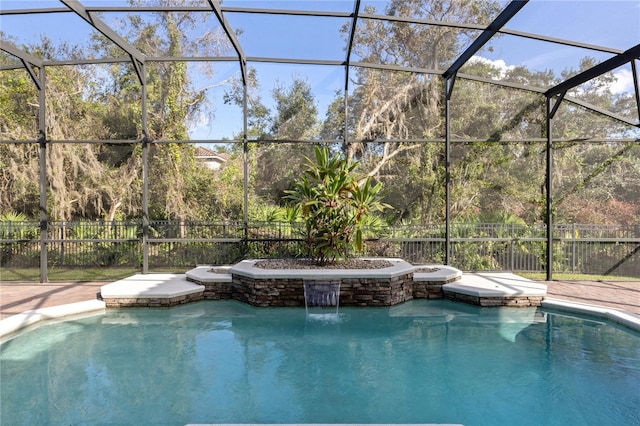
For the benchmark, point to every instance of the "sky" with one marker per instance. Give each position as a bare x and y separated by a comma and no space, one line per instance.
609,23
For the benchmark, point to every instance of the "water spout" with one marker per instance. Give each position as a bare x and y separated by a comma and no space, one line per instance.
321,296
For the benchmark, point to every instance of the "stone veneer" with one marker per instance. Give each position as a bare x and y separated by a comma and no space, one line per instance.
152,302
513,301
431,289
277,292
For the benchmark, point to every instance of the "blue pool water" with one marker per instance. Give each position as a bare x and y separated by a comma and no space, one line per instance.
224,362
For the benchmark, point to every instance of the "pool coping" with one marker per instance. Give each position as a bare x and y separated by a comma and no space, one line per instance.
155,286
441,273
15,323
617,316
247,268
496,284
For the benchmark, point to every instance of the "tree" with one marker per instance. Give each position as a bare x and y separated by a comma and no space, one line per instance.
274,165
172,102
76,175
258,115
388,105
487,176
296,112
102,103
388,112
18,162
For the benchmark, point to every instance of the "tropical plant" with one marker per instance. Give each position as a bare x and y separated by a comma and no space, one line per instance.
334,206
15,226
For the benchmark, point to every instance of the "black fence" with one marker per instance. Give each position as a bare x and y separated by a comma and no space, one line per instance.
172,245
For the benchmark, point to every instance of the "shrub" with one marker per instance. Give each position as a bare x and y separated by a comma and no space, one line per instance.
333,206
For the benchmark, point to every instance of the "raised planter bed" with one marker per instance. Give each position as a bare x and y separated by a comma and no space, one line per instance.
359,287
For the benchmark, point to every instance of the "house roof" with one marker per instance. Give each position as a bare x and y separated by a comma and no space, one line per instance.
202,152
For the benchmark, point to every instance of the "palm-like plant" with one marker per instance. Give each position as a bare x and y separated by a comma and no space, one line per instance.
334,206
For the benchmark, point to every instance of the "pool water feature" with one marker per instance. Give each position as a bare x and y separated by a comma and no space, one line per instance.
420,362
321,298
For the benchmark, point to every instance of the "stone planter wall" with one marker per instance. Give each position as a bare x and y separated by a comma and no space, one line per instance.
278,292
353,291
376,291
275,292
217,290
430,289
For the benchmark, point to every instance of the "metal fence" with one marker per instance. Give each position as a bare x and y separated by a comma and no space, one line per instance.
179,245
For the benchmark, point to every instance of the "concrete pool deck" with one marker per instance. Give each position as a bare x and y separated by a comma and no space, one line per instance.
28,303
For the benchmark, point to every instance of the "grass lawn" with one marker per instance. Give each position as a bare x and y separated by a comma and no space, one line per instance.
72,274
560,276
112,274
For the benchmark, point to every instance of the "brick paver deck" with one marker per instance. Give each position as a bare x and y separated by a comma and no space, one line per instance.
615,294
19,297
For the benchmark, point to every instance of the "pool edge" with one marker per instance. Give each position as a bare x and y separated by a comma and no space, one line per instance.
618,316
18,322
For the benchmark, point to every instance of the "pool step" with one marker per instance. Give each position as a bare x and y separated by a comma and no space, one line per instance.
495,289
151,290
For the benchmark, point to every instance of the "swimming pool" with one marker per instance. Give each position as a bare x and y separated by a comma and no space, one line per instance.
419,362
